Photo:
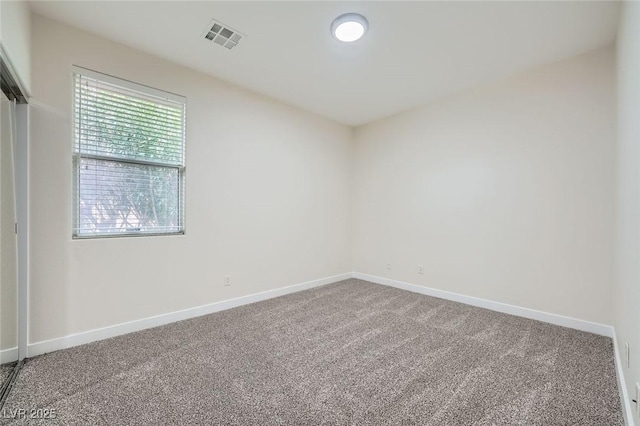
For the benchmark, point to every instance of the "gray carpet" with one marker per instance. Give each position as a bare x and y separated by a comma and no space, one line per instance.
5,371
351,353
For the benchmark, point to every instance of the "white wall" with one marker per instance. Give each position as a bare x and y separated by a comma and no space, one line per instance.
502,193
627,285
15,38
268,197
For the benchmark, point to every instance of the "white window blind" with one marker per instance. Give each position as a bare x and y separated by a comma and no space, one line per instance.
129,158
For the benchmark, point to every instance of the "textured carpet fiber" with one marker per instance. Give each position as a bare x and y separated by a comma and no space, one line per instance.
5,371
346,353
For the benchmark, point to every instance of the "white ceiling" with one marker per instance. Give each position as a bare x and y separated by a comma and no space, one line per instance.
414,52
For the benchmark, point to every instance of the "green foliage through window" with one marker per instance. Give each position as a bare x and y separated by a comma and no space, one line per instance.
128,158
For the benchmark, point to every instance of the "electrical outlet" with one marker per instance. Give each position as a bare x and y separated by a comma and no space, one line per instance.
388,266
626,354
421,269
227,280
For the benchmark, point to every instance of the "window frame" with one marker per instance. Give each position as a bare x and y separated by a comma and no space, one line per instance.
145,91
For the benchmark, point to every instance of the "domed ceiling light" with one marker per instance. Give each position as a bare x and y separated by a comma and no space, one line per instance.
349,27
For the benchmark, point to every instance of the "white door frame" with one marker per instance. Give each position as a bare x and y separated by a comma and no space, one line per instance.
22,218
21,182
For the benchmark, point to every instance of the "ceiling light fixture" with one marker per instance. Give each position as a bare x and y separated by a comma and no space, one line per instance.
349,27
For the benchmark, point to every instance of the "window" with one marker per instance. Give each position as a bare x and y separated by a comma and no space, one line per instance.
128,158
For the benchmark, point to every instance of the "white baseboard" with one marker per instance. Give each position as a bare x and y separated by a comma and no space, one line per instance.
591,327
69,341
46,346
8,355
625,401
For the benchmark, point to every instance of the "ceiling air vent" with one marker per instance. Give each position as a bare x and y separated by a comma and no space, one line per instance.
221,34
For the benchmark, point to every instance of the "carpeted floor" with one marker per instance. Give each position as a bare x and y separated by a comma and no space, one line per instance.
5,371
347,353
